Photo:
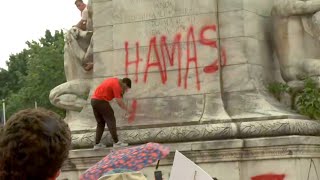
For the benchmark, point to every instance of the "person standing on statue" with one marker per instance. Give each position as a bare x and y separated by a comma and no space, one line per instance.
109,89
82,24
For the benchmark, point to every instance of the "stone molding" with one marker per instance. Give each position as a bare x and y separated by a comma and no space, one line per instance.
202,132
286,147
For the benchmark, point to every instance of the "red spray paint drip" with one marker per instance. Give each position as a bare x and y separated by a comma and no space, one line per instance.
132,116
269,177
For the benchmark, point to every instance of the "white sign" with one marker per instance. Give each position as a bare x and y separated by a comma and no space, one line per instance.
184,169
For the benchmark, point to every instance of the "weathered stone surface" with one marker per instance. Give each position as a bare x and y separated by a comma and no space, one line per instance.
243,158
230,5
247,50
106,64
179,109
279,127
214,110
194,131
98,1
153,87
283,140
230,105
294,169
165,111
262,7
166,134
244,77
169,110
238,106
205,55
103,39
237,50
296,38
169,27
236,78
221,97
135,10
103,13
242,23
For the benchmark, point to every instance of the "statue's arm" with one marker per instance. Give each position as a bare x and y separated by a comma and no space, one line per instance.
82,24
295,7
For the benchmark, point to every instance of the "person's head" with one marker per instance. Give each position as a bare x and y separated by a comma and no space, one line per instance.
33,145
127,83
80,4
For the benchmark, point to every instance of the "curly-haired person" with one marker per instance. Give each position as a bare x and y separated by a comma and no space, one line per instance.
33,145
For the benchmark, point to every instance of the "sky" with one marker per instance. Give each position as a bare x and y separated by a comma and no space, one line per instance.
27,20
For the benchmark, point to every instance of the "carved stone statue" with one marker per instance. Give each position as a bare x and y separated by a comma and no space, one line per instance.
230,104
77,43
78,65
296,37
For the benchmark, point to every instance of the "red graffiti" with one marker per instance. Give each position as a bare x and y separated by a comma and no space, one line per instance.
157,63
269,177
136,62
212,68
166,55
191,59
164,48
132,115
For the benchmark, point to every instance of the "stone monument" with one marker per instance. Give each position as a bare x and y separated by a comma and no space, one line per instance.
200,70
296,37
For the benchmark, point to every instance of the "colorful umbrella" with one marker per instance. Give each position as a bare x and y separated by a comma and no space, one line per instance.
132,158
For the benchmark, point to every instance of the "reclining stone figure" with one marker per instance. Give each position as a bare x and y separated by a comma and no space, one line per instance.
296,38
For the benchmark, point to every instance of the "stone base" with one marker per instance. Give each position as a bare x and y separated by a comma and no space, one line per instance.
289,157
201,131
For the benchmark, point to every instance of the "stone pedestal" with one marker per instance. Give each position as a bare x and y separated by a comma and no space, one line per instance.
291,157
200,69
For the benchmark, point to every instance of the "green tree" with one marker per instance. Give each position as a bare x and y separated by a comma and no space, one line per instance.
308,101
4,83
11,80
41,70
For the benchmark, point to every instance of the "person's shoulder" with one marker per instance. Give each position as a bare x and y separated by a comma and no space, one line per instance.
111,81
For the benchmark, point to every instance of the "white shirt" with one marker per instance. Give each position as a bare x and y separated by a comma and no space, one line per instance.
84,14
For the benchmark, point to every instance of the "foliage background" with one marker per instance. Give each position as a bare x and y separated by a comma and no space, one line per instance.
305,101
32,73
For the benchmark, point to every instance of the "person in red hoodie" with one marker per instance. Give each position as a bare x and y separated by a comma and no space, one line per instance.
109,89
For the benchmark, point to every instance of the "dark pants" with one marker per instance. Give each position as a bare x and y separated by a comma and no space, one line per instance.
103,113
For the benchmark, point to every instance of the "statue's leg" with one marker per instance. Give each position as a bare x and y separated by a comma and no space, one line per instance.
88,58
71,95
